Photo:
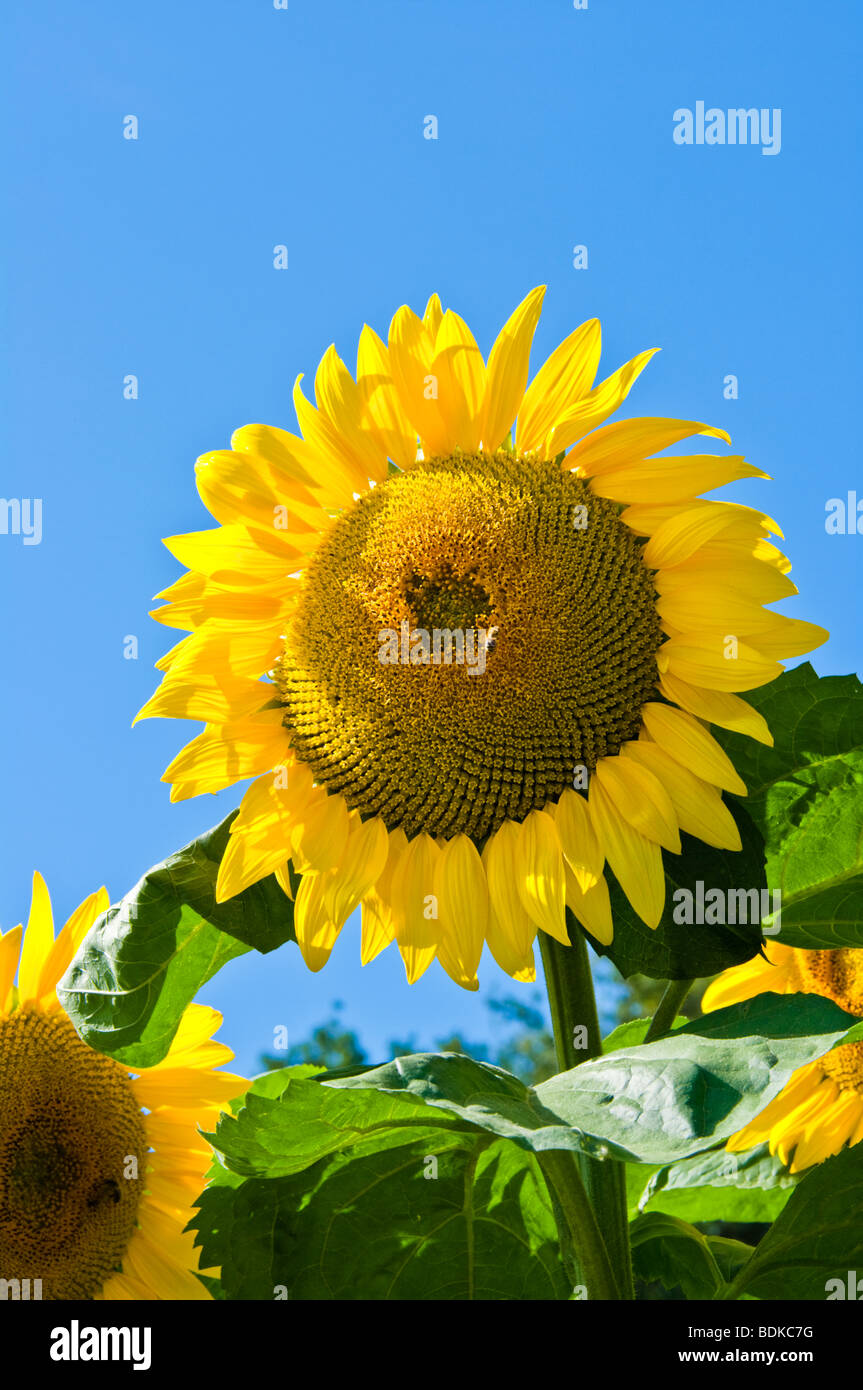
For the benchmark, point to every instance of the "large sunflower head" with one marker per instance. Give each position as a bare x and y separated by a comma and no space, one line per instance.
821,1108
99,1169
467,638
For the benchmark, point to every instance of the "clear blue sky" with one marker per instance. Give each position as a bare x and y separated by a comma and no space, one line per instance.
305,127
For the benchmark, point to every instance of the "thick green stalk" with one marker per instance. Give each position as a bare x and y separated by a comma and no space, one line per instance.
581,1237
666,1011
577,1037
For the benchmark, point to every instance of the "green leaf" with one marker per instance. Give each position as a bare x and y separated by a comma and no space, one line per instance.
730,1255
278,1132
423,1222
144,960
633,1032
675,1253
721,1186
479,1096
654,1104
638,1176
675,950
675,1097
806,796
817,1238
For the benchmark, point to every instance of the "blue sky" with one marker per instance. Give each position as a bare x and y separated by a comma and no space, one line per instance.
304,127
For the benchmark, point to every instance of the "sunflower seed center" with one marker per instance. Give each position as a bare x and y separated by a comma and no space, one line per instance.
72,1144
517,560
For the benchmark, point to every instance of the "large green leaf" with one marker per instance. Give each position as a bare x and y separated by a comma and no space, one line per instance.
144,960
654,1103
442,1211
817,1237
675,1097
806,796
676,951
721,1186
280,1132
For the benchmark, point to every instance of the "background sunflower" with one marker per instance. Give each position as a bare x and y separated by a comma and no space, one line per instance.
821,1108
98,1167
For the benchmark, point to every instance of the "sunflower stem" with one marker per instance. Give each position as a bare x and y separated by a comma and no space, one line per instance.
581,1237
667,1009
577,1038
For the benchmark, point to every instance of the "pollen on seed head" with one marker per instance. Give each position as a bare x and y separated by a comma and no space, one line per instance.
469,542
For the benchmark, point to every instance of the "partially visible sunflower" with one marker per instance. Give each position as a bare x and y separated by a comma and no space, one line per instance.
98,1168
626,612
821,1108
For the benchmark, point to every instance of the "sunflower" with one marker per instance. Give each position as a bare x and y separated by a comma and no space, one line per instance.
490,657
821,1108
98,1169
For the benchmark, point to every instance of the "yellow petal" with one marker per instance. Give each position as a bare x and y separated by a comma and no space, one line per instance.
378,921
260,837
250,857
120,1288
230,556
788,637
717,707
640,798
341,401
756,976
168,1280
288,454
38,940
244,650
227,753
699,808
341,469
563,379
243,489
10,949
462,894
433,315
682,736
717,662
602,401
735,576
382,404
540,876
509,930
185,1086
578,839
626,441
730,551
68,940
315,930
635,861
214,697
672,479
683,533
360,866
411,356
414,905
593,908
319,837
698,605
460,370
506,375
